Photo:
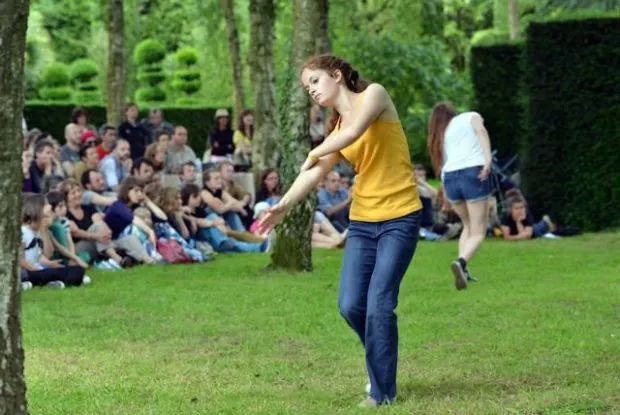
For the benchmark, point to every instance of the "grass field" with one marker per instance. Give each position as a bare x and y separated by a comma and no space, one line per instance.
540,334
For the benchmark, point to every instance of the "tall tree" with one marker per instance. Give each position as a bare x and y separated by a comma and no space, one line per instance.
323,43
293,247
13,22
116,62
235,57
263,76
514,22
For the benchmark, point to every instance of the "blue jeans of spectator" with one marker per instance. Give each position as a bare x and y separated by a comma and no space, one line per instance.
233,221
375,260
221,242
539,229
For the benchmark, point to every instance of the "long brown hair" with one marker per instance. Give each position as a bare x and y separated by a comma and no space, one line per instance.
330,64
441,115
241,124
170,200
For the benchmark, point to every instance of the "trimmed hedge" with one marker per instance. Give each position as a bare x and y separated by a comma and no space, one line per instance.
570,156
496,74
52,118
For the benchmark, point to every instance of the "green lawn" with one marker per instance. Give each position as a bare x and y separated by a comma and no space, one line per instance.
540,334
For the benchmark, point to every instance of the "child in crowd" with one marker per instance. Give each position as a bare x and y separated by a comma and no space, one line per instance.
37,247
60,232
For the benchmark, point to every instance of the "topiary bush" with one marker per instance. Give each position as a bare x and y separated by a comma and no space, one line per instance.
149,56
56,83
84,76
570,161
187,76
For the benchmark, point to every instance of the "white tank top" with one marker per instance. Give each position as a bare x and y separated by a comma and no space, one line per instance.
461,146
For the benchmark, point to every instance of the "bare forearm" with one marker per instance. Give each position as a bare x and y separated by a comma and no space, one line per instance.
67,253
335,209
27,265
304,183
82,234
156,210
485,143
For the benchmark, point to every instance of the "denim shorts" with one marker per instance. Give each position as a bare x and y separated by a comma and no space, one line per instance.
464,185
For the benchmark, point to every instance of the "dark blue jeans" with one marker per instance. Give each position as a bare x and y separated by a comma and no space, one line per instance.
375,260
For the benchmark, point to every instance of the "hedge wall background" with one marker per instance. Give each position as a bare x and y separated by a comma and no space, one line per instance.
497,74
571,162
53,118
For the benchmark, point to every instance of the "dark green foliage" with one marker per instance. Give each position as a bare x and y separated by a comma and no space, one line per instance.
496,74
84,73
149,56
68,23
56,82
187,75
52,118
570,158
149,51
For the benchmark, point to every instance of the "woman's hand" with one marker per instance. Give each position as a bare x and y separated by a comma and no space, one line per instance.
80,262
484,173
273,217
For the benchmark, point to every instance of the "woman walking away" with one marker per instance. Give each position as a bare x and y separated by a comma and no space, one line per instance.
461,152
385,213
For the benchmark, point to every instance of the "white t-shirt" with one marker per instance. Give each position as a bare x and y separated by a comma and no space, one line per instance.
461,146
33,246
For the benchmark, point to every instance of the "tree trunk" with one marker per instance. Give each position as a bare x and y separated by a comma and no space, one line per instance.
13,22
323,43
293,247
514,23
263,76
116,63
235,58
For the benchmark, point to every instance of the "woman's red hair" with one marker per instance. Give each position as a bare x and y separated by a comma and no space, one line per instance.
440,117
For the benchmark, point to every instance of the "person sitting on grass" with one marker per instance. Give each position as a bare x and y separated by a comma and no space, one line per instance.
119,217
517,224
37,248
211,228
60,232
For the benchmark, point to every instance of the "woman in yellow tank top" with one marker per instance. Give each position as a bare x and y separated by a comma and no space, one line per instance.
364,128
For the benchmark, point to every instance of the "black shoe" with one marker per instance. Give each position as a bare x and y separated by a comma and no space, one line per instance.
460,277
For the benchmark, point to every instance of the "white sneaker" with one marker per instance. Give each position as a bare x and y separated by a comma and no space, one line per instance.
55,284
86,280
26,285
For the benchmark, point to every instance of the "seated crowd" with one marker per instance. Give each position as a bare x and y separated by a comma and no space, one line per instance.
136,193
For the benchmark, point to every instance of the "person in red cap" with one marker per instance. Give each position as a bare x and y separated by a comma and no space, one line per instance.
88,137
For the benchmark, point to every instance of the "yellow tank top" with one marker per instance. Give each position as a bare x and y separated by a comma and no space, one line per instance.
384,187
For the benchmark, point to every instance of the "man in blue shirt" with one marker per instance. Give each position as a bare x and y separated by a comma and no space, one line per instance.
334,201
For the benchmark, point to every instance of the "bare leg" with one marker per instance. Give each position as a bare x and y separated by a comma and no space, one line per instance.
478,216
461,211
474,216
323,241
